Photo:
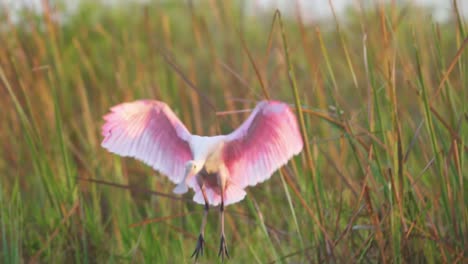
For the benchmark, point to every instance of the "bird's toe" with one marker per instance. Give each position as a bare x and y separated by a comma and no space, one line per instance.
223,251
199,249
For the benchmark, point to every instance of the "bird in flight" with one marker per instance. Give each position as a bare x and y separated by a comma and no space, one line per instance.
217,168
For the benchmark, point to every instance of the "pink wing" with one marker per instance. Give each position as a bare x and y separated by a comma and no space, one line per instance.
149,131
262,144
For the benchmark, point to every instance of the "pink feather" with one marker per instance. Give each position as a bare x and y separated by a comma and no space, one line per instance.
232,194
149,131
262,144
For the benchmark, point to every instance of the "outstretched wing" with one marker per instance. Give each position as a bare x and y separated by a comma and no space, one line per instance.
262,144
149,131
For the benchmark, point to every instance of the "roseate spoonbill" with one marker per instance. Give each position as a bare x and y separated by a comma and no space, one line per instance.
217,168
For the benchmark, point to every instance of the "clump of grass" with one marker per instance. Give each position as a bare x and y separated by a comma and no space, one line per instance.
380,99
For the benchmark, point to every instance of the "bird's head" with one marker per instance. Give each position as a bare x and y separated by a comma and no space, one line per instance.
192,168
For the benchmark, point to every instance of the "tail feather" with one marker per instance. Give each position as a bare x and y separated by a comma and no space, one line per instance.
232,194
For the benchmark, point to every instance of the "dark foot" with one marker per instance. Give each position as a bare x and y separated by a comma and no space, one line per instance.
199,249
223,249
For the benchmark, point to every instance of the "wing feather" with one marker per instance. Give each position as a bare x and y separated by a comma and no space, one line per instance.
262,144
149,131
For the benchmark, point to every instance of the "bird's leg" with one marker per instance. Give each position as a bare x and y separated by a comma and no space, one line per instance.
201,241
222,246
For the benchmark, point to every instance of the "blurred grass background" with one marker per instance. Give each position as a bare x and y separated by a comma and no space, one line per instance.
382,93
